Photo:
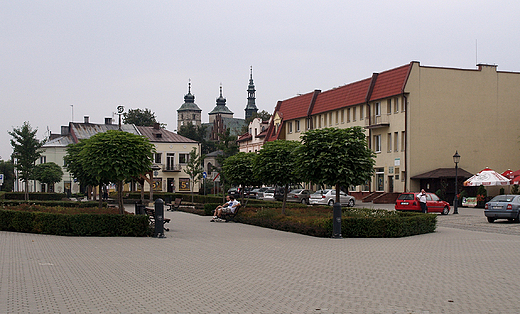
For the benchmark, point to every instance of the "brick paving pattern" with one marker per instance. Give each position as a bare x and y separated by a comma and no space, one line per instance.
204,267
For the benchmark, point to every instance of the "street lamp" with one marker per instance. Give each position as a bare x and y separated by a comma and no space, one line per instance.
456,160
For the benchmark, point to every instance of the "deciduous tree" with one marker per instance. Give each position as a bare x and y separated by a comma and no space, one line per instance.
276,164
336,157
238,170
26,150
140,117
48,173
194,169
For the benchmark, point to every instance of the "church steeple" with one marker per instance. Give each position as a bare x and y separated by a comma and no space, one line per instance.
220,109
251,98
189,112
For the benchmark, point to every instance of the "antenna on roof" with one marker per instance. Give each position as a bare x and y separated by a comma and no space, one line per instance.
476,51
72,114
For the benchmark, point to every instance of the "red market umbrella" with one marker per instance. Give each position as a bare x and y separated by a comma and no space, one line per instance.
508,174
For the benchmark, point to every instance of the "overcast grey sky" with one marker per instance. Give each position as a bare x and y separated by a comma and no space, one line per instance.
97,55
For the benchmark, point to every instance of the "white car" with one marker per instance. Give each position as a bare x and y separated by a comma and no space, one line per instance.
328,197
268,195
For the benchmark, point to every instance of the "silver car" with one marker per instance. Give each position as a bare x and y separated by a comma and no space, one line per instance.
268,195
328,197
503,207
299,195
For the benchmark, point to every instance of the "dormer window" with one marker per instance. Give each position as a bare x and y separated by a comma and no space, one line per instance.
158,135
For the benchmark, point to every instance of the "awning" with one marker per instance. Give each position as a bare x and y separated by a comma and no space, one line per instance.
443,173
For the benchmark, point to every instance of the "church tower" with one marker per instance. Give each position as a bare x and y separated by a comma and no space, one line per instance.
220,109
189,111
251,106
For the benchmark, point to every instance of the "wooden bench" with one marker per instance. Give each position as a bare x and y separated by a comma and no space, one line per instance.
151,217
175,205
231,216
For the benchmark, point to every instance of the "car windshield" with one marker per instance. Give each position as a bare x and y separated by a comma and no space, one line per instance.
503,198
405,197
296,191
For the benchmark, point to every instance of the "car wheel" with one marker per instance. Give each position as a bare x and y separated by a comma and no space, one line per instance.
351,203
517,219
491,219
446,210
304,201
331,203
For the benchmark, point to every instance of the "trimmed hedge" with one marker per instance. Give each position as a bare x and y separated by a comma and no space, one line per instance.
356,223
52,203
75,225
35,196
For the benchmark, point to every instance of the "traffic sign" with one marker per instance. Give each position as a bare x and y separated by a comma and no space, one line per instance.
204,175
1,178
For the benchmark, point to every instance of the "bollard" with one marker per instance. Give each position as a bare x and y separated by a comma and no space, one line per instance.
159,219
336,221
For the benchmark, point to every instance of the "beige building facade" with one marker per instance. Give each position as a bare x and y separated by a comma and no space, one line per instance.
415,119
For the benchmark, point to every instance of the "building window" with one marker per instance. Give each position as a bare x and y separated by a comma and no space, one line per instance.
43,159
403,106
380,179
389,142
396,146
389,106
403,140
184,158
309,123
330,118
194,117
377,143
354,113
361,115
396,107
377,109
158,158
289,127
337,117
348,115
343,116
319,121
170,161
297,122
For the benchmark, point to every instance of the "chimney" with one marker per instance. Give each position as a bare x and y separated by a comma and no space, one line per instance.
156,126
108,120
85,119
64,130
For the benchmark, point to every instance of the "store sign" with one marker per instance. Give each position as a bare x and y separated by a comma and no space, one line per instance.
184,184
397,162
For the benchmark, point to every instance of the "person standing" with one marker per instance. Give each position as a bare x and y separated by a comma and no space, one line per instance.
422,201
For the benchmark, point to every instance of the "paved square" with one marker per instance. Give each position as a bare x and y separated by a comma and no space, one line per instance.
204,267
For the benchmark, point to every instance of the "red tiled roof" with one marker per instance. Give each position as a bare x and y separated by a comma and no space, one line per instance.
347,95
245,137
390,83
295,107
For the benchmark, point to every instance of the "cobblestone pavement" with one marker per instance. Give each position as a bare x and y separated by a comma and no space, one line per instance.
203,267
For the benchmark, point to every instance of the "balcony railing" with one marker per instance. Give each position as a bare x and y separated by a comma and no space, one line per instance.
172,168
377,121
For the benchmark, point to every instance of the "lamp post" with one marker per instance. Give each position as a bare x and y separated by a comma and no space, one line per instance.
456,160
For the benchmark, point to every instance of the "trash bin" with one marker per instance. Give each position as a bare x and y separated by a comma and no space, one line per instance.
140,209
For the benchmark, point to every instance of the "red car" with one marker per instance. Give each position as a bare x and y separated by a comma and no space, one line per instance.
409,201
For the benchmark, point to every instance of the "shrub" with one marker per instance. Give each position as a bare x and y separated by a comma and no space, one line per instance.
74,224
35,196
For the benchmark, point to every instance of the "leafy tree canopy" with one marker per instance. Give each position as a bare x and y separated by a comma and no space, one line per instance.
197,133
276,164
26,150
336,157
140,117
238,170
48,173
7,168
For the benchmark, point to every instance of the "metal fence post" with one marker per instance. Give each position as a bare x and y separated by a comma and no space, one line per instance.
159,219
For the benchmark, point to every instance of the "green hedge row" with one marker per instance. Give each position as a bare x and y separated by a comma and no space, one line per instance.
52,203
34,196
75,225
378,225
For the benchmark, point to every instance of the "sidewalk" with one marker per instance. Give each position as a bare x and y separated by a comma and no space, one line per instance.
204,267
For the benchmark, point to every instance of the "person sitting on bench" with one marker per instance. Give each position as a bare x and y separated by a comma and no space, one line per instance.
228,207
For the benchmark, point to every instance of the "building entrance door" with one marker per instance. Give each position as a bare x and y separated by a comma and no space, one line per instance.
171,185
391,184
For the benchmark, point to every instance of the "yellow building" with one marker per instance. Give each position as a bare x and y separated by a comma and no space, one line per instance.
415,118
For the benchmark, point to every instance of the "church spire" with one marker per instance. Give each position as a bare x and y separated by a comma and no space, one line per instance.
251,98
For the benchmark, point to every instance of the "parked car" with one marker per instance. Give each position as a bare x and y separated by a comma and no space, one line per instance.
409,201
503,207
269,195
299,195
234,191
328,197
260,193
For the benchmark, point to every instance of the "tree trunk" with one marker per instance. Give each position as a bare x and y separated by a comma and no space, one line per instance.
120,197
26,195
100,198
285,188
